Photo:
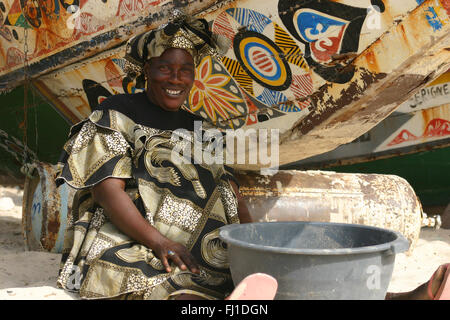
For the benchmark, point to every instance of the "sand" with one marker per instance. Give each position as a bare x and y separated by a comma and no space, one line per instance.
32,275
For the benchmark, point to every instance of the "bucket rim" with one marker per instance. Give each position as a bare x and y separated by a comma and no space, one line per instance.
397,245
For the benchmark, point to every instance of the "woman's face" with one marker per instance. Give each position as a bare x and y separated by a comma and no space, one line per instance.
170,78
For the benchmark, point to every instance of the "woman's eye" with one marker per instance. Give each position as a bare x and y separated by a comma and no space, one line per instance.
164,68
188,71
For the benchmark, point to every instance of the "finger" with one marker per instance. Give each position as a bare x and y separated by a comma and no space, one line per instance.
166,264
189,260
177,260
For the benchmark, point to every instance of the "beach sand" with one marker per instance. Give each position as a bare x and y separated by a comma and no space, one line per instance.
32,275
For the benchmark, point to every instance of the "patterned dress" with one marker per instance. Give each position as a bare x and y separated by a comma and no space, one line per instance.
186,202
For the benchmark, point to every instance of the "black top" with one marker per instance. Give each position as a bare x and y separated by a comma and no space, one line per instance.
142,111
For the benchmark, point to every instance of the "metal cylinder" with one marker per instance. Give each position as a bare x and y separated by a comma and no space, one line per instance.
45,208
384,201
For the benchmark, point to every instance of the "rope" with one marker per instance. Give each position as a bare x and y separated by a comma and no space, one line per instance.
26,168
25,96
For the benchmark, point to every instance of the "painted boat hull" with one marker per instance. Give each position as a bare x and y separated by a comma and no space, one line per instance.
420,124
318,74
331,70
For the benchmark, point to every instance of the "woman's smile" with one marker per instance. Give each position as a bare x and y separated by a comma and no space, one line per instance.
174,92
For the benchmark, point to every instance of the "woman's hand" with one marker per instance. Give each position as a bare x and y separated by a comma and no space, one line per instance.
111,195
170,250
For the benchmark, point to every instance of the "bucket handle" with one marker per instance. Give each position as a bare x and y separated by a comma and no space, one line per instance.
399,245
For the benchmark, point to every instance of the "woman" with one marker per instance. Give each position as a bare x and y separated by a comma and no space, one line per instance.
143,226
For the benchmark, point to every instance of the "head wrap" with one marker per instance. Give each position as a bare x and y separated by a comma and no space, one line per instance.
181,32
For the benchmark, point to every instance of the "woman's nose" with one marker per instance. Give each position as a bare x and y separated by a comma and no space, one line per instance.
175,76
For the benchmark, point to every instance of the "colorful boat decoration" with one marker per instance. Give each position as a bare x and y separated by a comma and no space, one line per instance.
40,36
321,72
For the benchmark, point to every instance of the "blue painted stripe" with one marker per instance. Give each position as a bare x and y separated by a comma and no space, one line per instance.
271,98
252,20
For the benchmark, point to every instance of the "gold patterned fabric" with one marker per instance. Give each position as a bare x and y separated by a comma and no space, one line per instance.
186,202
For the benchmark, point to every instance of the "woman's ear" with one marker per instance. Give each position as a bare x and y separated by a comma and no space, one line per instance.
146,68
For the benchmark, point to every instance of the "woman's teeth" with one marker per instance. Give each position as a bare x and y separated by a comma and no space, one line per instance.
173,92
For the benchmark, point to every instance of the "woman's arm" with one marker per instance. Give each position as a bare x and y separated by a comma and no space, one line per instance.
243,213
111,195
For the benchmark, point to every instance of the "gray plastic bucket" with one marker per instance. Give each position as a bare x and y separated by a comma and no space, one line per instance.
313,260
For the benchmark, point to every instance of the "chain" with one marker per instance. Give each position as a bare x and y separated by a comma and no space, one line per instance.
25,96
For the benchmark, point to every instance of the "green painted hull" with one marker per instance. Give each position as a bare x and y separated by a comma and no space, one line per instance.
44,132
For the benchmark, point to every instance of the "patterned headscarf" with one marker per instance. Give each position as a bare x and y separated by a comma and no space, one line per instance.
181,32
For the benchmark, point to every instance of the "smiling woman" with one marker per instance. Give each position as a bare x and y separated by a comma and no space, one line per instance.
143,226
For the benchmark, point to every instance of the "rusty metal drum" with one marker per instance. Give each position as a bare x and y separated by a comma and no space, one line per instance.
45,208
384,201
